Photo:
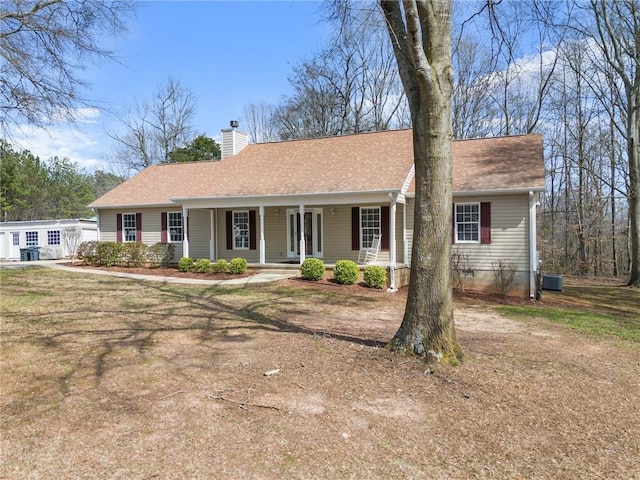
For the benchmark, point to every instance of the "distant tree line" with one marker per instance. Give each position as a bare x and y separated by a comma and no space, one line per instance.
32,189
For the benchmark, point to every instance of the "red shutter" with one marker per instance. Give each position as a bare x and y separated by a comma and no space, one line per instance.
163,222
253,243
384,228
485,222
138,227
119,227
355,228
229,215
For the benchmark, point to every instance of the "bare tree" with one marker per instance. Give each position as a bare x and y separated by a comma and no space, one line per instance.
618,36
43,46
259,121
350,86
152,129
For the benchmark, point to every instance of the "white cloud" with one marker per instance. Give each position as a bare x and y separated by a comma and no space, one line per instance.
75,142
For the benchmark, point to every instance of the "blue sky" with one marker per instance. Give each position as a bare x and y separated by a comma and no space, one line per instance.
227,53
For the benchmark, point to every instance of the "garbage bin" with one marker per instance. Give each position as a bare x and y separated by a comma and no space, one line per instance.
35,253
24,255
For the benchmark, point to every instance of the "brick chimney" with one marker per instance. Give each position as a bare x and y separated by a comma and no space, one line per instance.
233,140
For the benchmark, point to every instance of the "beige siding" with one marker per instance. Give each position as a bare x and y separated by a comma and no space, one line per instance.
107,225
151,226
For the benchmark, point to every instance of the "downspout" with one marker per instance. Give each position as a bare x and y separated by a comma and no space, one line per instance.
533,247
392,245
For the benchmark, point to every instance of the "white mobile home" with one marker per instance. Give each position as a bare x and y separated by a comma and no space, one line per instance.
56,238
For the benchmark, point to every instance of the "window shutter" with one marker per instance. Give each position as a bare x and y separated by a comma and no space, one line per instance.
119,227
355,228
138,227
384,228
163,222
485,222
252,230
229,215
186,230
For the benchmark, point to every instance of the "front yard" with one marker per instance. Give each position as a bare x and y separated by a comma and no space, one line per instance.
111,378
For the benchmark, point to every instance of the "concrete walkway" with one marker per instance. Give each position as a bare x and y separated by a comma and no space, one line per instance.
264,276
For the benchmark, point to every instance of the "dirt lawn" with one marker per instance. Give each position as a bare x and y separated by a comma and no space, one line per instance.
110,378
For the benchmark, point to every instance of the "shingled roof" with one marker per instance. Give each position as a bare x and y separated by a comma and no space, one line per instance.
370,162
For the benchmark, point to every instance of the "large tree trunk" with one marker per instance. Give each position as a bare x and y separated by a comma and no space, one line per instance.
421,35
633,139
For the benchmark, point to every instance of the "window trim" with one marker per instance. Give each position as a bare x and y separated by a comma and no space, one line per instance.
28,242
378,228
124,228
169,227
478,222
235,231
49,236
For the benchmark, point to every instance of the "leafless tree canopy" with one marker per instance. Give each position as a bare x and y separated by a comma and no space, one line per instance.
44,45
153,128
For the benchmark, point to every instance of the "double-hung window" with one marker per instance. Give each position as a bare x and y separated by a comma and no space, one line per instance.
53,237
129,227
32,238
174,220
467,222
241,230
369,225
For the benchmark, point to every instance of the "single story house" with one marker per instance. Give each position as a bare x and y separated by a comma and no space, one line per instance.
56,238
280,202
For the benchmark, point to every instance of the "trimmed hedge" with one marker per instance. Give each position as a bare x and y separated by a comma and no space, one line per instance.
134,254
185,264
203,265
312,269
220,266
346,272
161,254
130,254
238,265
375,276
109,253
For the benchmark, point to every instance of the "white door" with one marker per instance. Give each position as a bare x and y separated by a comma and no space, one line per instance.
312,227
14,251
2,244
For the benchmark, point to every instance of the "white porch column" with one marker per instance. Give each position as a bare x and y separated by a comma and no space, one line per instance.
392,245
212,239
185,235
262,243
303,241
405,239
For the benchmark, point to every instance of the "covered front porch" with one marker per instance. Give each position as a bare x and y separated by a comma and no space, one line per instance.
275,233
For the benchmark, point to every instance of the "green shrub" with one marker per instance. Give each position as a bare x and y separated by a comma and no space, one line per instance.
220,266
133,254
237,265
346,272
375,276
87,252
185,264
202,265
109,253
161,254
312,269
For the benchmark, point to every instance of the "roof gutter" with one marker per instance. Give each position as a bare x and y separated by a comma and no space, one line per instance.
498,191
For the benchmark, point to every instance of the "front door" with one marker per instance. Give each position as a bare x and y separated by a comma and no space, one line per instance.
311,225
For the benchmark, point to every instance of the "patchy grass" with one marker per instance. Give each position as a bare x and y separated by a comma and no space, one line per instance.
601,310
113,378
